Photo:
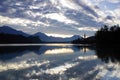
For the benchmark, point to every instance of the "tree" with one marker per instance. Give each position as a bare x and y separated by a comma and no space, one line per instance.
108,35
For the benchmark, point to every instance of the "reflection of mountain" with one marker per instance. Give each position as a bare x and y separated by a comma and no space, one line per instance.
107,54
9,52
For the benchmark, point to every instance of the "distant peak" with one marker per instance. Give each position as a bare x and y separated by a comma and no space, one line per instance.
76,36
5,27
39,33
9,30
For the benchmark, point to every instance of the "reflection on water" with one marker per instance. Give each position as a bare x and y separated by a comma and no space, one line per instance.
59,62
108,54
85,49
59,51
110,70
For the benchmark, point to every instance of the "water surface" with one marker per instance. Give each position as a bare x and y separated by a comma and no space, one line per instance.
58,62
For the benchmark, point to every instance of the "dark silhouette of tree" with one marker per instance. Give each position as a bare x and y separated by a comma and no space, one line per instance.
88,40
108,35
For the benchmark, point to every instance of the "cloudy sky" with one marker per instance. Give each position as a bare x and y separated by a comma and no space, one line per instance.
59,17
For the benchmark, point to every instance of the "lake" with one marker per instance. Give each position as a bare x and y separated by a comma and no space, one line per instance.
58,62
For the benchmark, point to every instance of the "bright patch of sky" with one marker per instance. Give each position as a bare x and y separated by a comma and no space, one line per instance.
58,35
58,17
87,29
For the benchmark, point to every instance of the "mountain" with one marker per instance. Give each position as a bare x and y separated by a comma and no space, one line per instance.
46,38
10,35
9,30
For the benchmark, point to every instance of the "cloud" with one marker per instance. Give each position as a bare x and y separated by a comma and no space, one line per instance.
19,21
88,29
67,16
114,1
117,13
69,4
60,17
110,17
87,8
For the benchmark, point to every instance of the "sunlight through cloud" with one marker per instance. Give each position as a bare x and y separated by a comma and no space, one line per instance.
60,17
87,29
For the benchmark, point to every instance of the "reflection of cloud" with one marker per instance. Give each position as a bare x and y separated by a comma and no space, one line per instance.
80,66
59,51
60,69
45,66
21,65
110,71
87,57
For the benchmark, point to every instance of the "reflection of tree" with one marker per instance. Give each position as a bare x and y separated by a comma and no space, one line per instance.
85,48
107,54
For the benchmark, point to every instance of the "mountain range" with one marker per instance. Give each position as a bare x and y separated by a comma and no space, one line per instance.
46,38
9,30
43,37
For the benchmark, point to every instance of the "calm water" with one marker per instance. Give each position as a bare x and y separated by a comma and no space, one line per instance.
58,62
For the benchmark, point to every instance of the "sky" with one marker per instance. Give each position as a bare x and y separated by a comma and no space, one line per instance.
59,17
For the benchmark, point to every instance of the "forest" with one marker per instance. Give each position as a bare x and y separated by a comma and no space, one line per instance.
106,35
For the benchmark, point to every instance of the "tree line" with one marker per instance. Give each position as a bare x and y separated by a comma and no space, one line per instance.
106,35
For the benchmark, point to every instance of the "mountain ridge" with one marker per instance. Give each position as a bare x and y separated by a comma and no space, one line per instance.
46,38
9,30
43,37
